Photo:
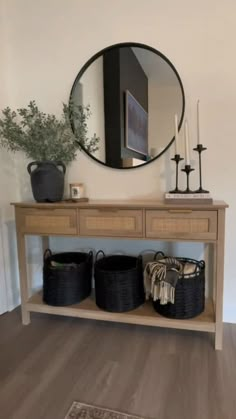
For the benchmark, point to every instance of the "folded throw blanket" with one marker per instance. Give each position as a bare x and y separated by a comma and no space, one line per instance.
161,277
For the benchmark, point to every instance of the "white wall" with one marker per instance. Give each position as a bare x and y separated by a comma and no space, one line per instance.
47,42
8,184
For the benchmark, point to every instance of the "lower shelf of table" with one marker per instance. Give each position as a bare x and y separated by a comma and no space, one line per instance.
144,315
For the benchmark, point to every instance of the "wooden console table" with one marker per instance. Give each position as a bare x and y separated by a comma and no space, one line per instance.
126,219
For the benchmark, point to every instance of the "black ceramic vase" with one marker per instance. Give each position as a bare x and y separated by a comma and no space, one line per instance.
47,180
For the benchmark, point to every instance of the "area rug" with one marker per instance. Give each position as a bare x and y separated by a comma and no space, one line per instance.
87,411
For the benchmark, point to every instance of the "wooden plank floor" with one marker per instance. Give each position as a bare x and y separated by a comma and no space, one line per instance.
155,373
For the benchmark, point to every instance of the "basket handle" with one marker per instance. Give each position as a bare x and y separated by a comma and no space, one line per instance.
97,254
90,254
143,252
47,254
198,264
159,254
201,264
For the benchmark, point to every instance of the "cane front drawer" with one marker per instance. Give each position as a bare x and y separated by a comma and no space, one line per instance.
108,222
181,224
48,221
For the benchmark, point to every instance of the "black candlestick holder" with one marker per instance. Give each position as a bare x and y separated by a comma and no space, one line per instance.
187,169
200,149
177,159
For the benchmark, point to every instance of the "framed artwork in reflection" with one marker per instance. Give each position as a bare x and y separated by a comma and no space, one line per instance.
136,125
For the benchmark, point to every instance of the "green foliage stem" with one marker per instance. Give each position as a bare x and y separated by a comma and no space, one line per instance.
43,137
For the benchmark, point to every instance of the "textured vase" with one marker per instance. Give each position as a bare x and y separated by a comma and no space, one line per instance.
47,180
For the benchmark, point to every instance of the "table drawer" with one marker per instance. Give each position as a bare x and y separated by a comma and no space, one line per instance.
108,222
50,221
181,224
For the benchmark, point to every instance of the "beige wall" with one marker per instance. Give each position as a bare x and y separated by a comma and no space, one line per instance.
46,42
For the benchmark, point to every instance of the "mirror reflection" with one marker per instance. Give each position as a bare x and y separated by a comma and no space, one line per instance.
131,94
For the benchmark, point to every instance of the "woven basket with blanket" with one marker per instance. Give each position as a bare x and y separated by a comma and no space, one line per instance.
176,286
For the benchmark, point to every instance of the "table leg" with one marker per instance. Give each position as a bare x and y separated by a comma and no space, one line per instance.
219,280
24,288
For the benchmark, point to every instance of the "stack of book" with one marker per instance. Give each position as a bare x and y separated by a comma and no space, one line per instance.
188,198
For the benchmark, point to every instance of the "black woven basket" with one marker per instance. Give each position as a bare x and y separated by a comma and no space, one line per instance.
66,285
119,283
189,294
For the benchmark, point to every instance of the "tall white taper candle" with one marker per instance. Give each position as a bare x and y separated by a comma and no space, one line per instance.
187,159
176,135
198,122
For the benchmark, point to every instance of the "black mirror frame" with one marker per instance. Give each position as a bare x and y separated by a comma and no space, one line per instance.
97,55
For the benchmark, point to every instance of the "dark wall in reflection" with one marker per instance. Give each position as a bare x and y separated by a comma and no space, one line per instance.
122,71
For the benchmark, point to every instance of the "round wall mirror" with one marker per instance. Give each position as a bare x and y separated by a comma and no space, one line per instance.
123,102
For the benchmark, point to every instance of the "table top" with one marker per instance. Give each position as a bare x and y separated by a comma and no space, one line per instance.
144,203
